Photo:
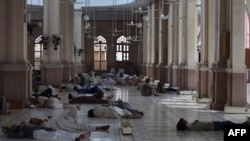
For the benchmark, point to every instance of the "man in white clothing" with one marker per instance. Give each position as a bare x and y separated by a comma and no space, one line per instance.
24,131
68,123
44,102
111,112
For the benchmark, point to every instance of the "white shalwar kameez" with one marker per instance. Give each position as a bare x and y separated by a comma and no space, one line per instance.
110,112
57,135
52,102
69,122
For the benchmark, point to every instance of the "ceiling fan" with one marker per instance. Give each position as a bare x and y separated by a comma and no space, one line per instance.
132,23
136,38
114,20
140,10
162,15
87,31
72,2
177,1
86,18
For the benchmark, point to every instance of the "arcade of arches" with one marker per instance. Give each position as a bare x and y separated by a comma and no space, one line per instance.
203,49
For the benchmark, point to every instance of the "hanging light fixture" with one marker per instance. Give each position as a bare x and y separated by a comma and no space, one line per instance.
87,25
145,17
86,16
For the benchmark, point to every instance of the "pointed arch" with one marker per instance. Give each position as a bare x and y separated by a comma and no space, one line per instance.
122,49
38,52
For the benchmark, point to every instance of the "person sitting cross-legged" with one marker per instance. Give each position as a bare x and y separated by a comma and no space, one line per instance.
4,106
147,90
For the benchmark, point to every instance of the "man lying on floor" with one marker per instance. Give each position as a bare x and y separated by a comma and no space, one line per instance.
124,105
68,122
46,91
113,112
98,97
197,125
44,102
25,131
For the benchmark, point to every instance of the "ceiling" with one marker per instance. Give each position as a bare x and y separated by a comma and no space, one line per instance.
95,12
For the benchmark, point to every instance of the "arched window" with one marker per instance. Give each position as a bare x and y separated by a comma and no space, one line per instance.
122,49
38,53
100,53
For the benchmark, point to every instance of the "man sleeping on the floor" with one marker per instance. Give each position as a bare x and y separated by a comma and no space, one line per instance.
98,97
90,90
117,109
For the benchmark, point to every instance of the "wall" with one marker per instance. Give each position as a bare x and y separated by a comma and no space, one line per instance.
104,28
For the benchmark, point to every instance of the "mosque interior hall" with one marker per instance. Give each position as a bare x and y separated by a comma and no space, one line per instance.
193,56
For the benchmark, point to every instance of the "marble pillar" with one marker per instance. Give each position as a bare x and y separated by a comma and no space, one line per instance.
51,67
16,71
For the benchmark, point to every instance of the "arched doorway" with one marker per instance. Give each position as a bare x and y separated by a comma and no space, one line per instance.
100,54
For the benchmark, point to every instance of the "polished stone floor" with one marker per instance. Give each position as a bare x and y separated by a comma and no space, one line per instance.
158,124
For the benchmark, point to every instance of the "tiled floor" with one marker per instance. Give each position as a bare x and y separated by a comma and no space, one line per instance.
158,124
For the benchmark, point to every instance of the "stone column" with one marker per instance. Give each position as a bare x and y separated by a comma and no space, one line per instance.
83,40
155,44
191,46
51,68
217,59
175,44
78,36
16,71
163,45
152,42
67,50
182,77
170,44
237,90
145,44
149,42
203,64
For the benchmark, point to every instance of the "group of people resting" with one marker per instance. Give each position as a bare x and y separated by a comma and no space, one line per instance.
53,129
61,128
109,109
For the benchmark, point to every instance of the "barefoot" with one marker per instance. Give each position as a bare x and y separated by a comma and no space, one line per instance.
133,116
85,135
110,97
155,94
102,128
78,139
141,113
78,107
